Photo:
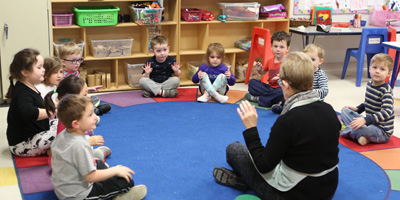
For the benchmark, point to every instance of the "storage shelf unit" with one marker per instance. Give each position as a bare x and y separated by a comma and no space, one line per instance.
188,40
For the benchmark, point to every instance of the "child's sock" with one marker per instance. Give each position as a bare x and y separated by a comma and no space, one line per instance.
250,97
205,97
220,98
363,140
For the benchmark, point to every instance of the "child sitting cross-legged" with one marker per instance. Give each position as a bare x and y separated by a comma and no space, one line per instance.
76,174
377,125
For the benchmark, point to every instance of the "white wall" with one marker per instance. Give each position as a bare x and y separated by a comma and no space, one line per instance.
335,46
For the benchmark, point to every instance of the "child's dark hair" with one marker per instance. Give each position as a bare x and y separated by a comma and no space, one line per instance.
23,60
215,48
281,36
51,65
71,107
69,85
158,40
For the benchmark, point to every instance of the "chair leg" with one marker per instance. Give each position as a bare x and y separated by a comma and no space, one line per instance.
346,63
360,67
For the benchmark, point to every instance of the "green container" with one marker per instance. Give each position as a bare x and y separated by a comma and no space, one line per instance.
96,15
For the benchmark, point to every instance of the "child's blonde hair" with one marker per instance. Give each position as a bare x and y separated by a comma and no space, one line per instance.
215,48
23,60
71,107
297,69
160,40
51,65
67,49
315,48
383,58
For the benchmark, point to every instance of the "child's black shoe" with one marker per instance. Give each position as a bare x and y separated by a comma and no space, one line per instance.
103,108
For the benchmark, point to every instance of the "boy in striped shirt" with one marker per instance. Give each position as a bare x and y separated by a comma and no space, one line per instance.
378,124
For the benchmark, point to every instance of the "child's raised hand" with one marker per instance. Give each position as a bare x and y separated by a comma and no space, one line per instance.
147,68
96,140
176,66
95,88
200,74
259,67
248,114
228,74
357,123
124,172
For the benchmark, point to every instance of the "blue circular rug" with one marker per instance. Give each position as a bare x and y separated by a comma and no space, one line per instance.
174,146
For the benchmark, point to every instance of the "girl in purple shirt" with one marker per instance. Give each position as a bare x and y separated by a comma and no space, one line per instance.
214,76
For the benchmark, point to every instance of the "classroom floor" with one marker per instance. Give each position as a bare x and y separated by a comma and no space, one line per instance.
341,93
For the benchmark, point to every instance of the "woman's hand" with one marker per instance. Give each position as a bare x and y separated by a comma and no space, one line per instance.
248,114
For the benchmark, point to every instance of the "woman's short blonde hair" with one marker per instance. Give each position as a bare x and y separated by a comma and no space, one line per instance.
297,69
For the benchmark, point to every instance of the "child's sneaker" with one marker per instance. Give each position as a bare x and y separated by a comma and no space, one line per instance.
204,98
138,192
146,94
227,177
250,97
103,108
277,108
170,93
102,153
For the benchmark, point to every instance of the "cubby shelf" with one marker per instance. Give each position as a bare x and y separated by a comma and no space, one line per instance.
188,40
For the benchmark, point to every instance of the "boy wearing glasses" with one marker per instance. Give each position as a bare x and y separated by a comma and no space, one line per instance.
71,57
269,94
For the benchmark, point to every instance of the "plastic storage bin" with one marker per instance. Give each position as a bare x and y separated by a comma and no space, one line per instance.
191,14
57,43
144,16
133,73
240,11
111,48
207,15
96,15
62,18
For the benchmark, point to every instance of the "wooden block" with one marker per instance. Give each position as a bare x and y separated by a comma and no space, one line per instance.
97,79
108,80
91,80
103,80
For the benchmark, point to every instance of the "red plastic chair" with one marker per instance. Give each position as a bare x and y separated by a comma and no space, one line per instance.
260,47
392,34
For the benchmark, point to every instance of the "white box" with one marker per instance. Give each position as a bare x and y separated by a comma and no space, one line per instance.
133,73
240,11
60,42
111,48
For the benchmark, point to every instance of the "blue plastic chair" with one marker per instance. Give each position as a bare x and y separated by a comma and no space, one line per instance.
370,44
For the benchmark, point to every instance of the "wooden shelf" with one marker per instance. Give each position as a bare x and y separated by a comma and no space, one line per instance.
188,41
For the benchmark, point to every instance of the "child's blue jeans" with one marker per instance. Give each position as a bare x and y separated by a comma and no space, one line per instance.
372,132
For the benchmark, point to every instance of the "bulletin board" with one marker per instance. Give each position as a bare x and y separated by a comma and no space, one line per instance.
302,7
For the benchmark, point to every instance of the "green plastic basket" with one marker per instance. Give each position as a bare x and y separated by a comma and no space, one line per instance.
96,15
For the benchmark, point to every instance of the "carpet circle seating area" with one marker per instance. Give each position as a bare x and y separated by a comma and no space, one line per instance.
174,144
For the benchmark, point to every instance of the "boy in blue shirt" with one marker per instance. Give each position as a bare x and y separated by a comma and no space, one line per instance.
156,77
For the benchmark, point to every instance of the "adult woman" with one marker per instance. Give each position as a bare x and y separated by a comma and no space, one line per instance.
300,158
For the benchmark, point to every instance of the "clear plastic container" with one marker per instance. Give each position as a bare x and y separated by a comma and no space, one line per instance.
111,48
58,42
147,16
133,73
240,11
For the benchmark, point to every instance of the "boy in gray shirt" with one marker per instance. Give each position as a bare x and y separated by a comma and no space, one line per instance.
76,174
